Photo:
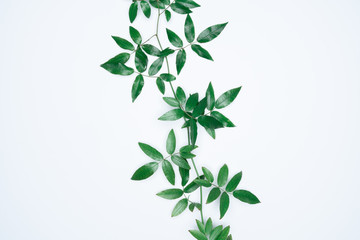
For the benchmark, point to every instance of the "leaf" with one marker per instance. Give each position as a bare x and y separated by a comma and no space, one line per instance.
191,187
246,196
120,58
151,152
210,97
189,29
192,102
185,151
224,233
157,4
145,171
208,226
168,171
200,108
207,173
198,235
151,50
213,195
167,15
179,207
181,162
180,60
156,66
223,175
200,226
221,118
141,60
171,101
202,52
160,84
171,194
174,39
166,2
133,11
117,68
185,174
203,183
215,232
229,237
193,131
180,94
171,142
188,3
166,52
210,33
178,8
209,122
123,43
137,87
224,204
226,98
211,132
145,7
135,35
234,182
167,77
172,115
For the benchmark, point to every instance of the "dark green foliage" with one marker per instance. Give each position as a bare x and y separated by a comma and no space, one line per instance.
137,87
123,43
180,207
246,196
133,11
227,97
151,152
174,39
145,7
202,52
189,29
145,171
171,194
180,60
168,171
210,33
135,35
223,175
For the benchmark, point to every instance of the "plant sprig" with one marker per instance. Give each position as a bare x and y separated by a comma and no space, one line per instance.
191,108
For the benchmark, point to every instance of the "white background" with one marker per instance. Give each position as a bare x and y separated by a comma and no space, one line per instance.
69,132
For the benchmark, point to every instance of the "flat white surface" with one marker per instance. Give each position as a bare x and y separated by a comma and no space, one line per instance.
69,132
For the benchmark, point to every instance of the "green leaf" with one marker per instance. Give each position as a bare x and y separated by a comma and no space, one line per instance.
151,50
171,194
246,196
188,3
117,68
167,15
161,85
133,11
210,33
166,2
229,237
192,102
181,162
208,226
234,182
179,207
200,108
223,175
156,66
215,232
193,131
174,39
137,87
145,171
157,4
200,226
185,151
207,173
141,60
172,115
180,94
120,58
221,118
211,132
151,152
202,52
213,195
209,122
191,187
166,52
171,142
178,8
185,174
198,235
203,183
167,77
145,7
224,204
123,43
171,101
135,35
180,60
226,98
168,171
224,233
210,97
189,29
